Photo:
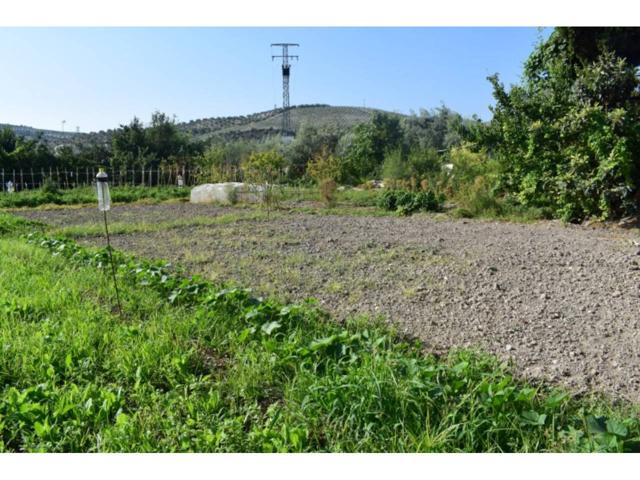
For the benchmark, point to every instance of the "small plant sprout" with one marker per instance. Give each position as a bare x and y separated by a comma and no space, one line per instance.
104,205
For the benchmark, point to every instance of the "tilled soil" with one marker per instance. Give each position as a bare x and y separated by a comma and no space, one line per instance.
562,302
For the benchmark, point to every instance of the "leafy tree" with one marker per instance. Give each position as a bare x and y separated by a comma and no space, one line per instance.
440,129
310,141
568,136
418,164
163,138
395,166
326,169
265,169
161,142
16,152
8,141
370,143
129,145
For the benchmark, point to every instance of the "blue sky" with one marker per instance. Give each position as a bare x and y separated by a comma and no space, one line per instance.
98,78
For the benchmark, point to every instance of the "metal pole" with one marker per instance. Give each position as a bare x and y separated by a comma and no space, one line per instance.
113,266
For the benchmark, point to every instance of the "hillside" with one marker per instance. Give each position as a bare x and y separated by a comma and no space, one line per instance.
32,133
266,123
256,126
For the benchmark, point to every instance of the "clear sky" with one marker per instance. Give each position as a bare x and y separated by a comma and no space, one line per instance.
98,78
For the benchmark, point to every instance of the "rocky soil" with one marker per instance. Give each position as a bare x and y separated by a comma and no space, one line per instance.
562,302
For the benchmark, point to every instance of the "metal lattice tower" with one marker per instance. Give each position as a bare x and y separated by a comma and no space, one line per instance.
286,69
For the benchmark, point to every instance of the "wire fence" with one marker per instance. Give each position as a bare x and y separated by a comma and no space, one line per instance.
16,180
27,179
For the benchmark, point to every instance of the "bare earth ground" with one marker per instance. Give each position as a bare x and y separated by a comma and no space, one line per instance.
563,302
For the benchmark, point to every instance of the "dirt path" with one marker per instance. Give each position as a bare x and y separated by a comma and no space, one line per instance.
562,301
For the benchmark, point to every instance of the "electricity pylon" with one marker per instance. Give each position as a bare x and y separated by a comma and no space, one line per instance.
286,69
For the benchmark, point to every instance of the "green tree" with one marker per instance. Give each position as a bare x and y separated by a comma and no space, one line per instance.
568,136
163,138
310,141
129,145
370,143
265,170
326,169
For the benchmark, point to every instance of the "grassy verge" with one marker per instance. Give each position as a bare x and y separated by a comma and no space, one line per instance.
124,228
359,202
86,195
195,367
348,197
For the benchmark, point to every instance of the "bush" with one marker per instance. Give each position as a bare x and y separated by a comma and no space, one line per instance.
568,137
265,169
394,166
405,203
326,169
50,186
478,198
388,200
328,189
77,196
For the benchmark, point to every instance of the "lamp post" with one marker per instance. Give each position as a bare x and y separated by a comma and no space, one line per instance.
104,205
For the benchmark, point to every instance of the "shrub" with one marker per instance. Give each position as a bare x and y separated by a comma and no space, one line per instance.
568,137
394,166
265,170
326,169
405,203
388,200
328,189
50,186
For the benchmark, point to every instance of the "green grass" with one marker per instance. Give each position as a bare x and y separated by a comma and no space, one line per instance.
348,197
13,225
504,213
350,201
123,228
194,367
86,195
363,202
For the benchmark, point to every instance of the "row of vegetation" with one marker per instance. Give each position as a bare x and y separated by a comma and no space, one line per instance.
163,143
192,366
50,194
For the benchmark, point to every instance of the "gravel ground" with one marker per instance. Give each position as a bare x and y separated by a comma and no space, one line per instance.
562,302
